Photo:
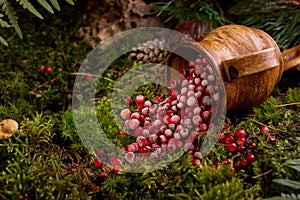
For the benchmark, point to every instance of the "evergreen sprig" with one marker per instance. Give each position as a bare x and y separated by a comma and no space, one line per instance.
184,10
9,10
280,19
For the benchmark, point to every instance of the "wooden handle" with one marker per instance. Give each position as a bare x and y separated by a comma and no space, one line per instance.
291,57
250,64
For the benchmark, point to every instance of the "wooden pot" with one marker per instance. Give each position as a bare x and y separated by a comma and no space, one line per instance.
248,61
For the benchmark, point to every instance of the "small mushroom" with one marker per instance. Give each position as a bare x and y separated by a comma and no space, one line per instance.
6,128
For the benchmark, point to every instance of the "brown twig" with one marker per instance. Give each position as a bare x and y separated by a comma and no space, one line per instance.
288,104
270,127
256,177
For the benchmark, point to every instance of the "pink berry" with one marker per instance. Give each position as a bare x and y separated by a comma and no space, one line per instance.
196,120
203,127
135,115
141,141
232,147
116,161
128,101
134,123
206,115
191,101
171,84
163,138
240,133
140,99
130,157
206,101
88,77
168,133
221,136
172,147
125,113
197,155
184,132
132,148
100,152
175,119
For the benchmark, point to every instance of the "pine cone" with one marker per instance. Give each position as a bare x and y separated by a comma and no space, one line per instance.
150,51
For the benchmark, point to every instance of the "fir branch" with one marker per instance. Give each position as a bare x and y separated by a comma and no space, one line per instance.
55,4
71,2
184,10
3,23
3,41
46,5
28,6
280,19
11,14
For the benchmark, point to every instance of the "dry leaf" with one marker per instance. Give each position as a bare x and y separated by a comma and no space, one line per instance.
6,128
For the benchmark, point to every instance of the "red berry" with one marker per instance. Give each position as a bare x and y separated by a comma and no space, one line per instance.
158,99
217,164
227,161
196,162
237,165
42,67
140,99
141,141
128,101
252,146
98,163
240,140
134,115
48,69
26,197
228,139
271,138
241,148
132,148
244,162
100,152
221,136
203,127
251,157
102,174
232,147
240,133
88,77
115,170
122,133
264,130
